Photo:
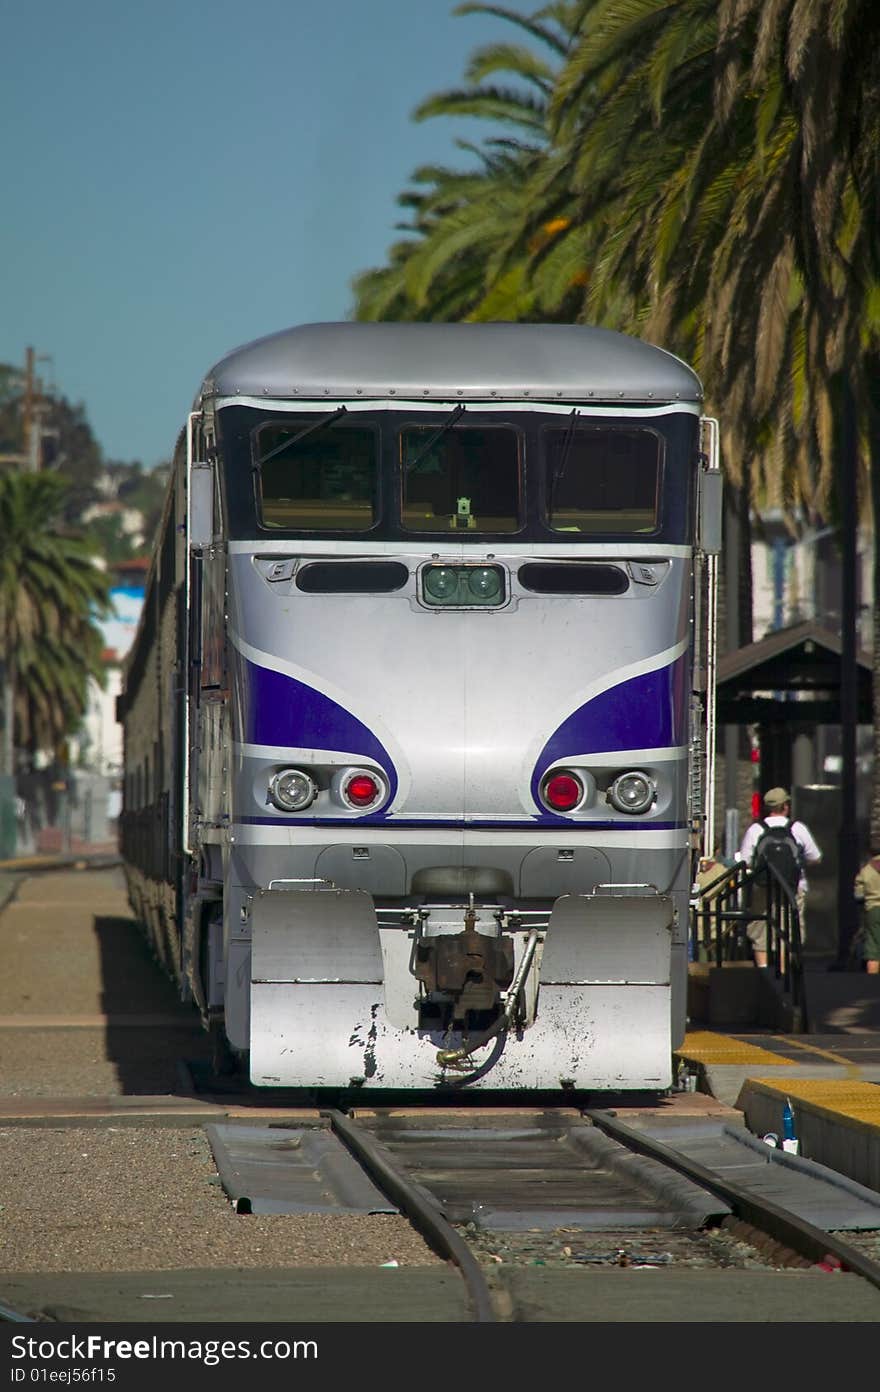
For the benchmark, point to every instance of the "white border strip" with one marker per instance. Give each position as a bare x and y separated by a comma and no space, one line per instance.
290,754
636,757
535,550
293,405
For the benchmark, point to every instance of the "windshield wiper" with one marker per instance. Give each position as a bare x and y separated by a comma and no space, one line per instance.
559,467
438,435
301,435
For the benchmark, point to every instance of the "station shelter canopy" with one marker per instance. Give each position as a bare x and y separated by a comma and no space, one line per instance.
790,677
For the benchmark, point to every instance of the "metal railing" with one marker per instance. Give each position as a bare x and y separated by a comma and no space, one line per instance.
721,912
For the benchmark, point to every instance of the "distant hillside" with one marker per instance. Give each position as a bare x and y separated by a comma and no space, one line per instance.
117,504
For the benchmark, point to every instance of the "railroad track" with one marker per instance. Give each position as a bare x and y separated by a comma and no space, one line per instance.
562,1188
493,1191
589,1189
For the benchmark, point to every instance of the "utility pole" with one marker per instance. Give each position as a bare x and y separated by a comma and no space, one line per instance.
34,405
27,411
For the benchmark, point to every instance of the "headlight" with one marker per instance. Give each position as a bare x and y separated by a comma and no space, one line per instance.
441,582
632,792
463,586
292,790
485,583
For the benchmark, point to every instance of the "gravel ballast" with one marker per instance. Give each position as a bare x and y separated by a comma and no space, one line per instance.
134,1197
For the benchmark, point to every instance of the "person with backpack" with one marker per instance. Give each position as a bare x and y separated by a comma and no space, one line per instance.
867,891
786,845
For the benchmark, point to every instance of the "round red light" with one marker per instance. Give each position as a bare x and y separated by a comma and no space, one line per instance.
361,790
563,792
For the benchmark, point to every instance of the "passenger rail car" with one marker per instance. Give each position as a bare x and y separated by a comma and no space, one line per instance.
416,716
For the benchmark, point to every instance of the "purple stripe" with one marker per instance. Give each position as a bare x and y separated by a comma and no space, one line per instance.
647,712
543,823
273,708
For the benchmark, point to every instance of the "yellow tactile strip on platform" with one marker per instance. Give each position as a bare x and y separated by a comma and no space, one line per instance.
705,1047
837,1096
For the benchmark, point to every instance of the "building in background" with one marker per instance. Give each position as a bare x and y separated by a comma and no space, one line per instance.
75,807
98,747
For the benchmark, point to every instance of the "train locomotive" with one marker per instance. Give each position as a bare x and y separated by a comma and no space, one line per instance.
417,715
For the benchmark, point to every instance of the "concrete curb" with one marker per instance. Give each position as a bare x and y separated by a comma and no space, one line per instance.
14,871
837,1120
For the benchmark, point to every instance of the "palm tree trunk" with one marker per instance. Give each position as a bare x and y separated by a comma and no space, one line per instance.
735,631
872,379
848,847
7,760
7,745
745,600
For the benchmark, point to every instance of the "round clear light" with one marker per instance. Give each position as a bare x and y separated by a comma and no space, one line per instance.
441,581
292,790
632,792
484,582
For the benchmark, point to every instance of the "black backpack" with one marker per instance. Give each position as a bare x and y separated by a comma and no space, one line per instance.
777,847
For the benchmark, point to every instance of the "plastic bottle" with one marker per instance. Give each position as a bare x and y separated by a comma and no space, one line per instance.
789,1139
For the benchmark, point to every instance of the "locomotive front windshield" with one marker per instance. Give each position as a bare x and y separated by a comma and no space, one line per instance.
460,478
535,475
317,474
602,480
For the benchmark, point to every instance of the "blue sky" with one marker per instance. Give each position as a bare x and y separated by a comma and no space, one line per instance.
182,176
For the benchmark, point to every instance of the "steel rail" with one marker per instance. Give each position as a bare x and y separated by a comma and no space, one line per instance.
437,1231
779,1223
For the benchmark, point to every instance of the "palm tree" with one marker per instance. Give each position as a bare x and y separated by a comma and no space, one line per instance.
439,273
51,593
826,58
460,258
731,167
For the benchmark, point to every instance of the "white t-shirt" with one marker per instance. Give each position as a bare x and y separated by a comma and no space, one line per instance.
810,851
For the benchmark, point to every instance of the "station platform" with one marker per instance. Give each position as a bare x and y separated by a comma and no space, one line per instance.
831,1075
84,855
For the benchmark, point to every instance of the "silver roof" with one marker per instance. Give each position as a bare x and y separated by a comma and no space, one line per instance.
567,362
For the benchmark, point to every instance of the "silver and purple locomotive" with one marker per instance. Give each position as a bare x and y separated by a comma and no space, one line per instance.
417,714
